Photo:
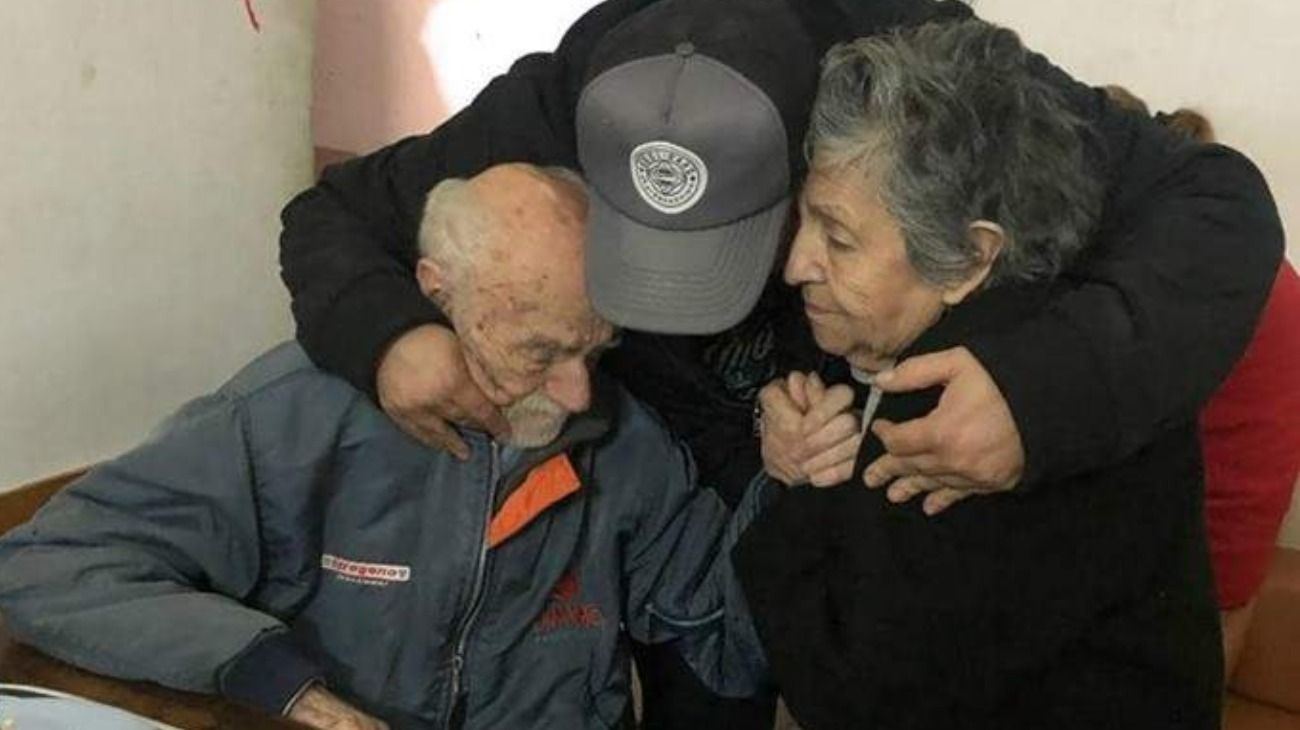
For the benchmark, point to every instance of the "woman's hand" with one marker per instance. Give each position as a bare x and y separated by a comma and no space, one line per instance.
832,433
781,430
809,432
423,384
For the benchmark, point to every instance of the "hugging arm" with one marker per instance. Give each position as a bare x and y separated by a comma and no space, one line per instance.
1154,315
1145,326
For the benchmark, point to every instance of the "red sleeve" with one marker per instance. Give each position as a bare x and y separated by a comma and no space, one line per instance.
1250,435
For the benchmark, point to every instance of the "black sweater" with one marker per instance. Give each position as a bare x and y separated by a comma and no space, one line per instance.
1084,605
1148,326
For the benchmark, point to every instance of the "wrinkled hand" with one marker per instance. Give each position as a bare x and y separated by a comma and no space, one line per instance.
781,430
809,432
968,444
319,708
423,384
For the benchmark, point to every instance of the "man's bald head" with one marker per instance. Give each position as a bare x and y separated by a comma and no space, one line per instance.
503,257
507,222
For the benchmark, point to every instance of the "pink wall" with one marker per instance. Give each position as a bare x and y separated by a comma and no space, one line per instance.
372,81
384,70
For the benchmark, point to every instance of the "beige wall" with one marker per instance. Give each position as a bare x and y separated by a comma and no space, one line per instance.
1238,62
147,147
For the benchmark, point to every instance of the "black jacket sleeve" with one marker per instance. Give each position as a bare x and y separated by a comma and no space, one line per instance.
1158,310
349,243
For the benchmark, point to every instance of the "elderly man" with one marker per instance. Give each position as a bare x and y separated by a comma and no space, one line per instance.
284,543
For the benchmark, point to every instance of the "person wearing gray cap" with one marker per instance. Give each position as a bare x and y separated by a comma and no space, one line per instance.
687,136
1013,410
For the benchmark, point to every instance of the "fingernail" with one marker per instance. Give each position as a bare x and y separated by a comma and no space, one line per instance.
884,376
871,480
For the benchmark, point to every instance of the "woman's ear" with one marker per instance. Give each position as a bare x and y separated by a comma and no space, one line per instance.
430,276
989,238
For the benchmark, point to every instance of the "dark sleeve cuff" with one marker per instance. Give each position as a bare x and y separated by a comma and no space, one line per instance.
1064,412
270,674
364,321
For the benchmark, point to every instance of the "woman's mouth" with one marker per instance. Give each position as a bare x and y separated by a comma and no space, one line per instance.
812,310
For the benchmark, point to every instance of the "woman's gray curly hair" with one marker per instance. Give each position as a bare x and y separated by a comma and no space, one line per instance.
955,124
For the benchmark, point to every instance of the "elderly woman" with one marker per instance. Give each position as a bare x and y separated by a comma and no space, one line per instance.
948,188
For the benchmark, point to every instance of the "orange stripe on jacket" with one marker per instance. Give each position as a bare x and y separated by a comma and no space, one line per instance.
547,483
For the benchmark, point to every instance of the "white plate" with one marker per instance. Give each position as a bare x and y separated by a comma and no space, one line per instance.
37,708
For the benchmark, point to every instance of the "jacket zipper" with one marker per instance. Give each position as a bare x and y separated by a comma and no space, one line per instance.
476,597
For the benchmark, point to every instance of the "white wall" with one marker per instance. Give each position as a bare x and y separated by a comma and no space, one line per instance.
1237,62
145,150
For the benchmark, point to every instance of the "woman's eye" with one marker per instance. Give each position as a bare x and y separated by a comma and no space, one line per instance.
839,244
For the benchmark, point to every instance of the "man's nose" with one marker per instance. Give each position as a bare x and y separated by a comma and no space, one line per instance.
570,385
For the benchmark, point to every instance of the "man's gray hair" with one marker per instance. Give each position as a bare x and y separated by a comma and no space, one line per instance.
454,226
958,122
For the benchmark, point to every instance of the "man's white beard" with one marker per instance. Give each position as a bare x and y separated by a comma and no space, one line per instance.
535,420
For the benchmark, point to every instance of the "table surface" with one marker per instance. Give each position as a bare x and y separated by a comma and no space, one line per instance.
21,664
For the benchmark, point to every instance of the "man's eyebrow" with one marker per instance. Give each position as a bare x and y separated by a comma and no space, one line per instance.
547,345
538,343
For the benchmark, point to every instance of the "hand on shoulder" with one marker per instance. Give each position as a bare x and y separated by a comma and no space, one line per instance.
424,386
969,444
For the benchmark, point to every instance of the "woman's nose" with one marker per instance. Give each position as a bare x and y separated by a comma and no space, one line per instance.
801,267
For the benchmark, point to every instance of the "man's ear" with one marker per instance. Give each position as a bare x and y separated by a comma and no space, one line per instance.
989,238
431,277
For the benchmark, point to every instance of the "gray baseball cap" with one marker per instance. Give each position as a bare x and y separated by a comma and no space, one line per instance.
684,135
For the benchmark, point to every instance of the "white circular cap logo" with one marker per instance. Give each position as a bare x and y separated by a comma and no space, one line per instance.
669,177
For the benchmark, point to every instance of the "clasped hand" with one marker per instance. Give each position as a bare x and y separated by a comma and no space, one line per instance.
969,444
